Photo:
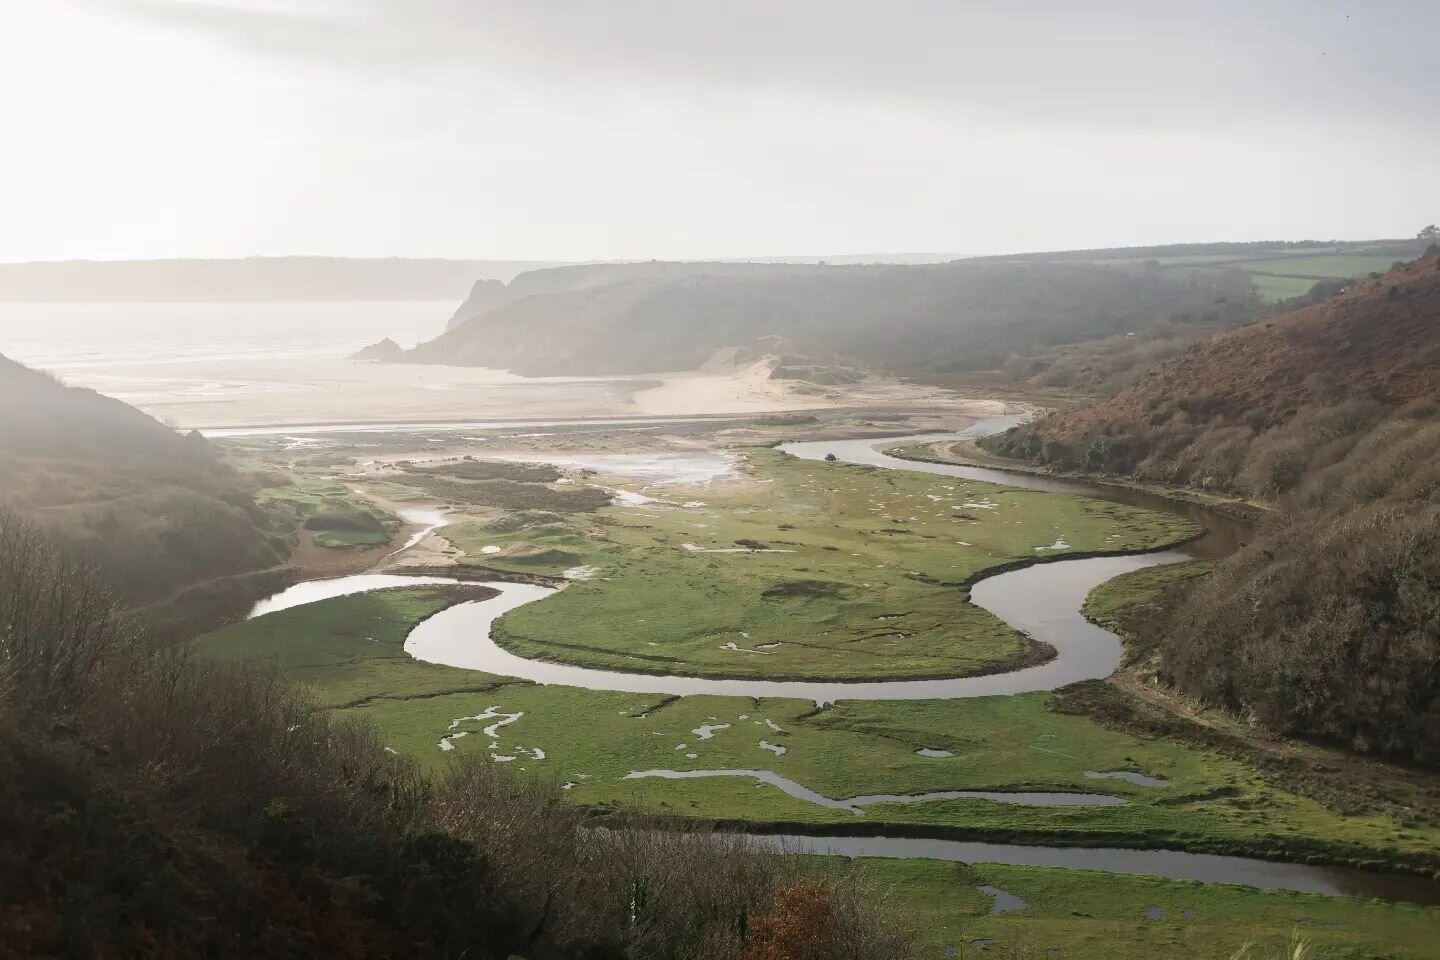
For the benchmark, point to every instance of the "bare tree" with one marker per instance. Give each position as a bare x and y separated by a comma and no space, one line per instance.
58,622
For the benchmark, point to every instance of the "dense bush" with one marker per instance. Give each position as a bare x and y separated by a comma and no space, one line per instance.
513,494
341,516
155,510
1326,626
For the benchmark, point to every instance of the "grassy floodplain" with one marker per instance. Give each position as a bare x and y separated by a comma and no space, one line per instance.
1082,915
349,651
807,570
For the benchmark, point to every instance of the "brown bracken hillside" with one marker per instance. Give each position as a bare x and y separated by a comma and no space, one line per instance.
1378,341
1325,624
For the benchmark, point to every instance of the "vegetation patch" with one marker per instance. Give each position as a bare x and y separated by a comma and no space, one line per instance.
509,494
1135,605
335,515
789,574
534,542
470,468
824,376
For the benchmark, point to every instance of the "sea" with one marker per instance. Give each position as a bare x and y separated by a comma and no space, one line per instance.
96,345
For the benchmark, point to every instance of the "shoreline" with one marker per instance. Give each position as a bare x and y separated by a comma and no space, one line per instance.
234,394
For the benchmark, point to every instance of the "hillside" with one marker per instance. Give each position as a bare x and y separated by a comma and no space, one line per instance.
654,317
487,295
155,510
1324,624
1375,346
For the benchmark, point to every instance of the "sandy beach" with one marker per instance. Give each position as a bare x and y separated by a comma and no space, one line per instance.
238,393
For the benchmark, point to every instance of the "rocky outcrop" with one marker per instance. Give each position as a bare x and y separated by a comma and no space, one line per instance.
386,351
485,295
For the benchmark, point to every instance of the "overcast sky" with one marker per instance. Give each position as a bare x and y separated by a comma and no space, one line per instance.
576,129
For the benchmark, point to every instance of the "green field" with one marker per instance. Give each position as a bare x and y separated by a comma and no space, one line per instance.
349,650
815,571
1275,289
1336,265
1100,916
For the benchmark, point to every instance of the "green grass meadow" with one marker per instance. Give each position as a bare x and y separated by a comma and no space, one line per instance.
814,571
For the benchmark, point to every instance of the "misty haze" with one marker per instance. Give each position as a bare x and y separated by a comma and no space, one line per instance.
767,481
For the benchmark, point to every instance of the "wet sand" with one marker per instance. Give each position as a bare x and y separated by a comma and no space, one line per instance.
237,393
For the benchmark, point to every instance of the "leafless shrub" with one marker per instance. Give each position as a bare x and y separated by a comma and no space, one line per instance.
639,892
58,624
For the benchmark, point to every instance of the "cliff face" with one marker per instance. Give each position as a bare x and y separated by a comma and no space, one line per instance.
485,295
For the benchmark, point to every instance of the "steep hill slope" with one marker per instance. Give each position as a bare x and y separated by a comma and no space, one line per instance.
1196,419
1327,623
652,317
153,509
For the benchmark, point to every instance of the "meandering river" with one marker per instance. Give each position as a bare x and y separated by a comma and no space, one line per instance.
1042,601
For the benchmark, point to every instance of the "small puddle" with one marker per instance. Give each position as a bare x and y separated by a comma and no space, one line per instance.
1004,902
933,752
855,804
706,731
447,742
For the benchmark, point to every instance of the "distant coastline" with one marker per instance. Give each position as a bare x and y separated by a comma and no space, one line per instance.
252,279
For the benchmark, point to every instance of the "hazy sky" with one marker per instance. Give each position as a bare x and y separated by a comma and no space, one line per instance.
570,129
